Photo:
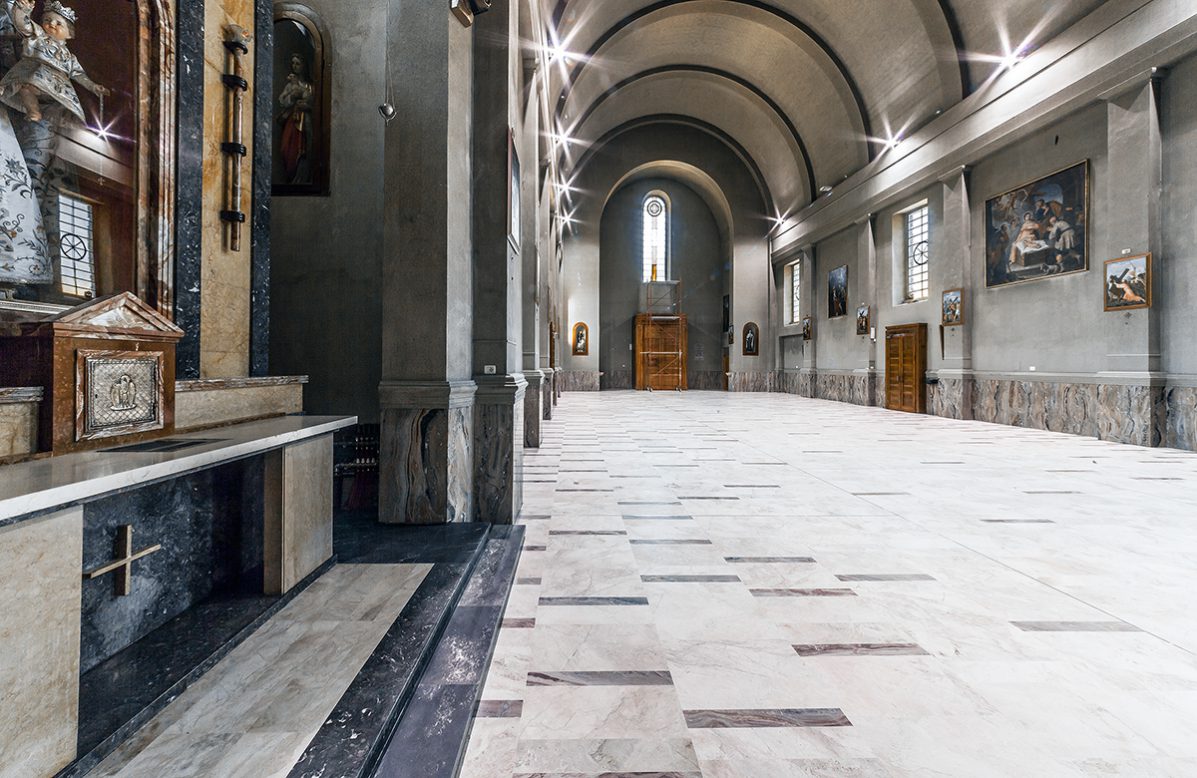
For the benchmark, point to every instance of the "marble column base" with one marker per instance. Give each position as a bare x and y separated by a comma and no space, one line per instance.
533,407
548,401
40,596
426,458
499,448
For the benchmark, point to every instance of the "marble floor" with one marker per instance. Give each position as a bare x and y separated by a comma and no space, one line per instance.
750,586
253,714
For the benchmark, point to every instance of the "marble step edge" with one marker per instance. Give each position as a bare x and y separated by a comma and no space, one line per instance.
355,734
85,763
450,687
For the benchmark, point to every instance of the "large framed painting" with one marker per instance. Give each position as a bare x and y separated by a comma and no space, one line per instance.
1038,230
87,162
1128,283
301,100
837,292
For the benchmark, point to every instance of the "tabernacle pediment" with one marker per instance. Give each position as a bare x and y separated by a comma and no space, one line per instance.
118,314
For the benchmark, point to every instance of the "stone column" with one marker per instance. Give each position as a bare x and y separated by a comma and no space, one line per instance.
809,375
531,245
952,253
427,395
498,270
864,384
1130,398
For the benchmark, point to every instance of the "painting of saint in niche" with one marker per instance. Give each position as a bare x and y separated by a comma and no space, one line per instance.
581,340
301,104
752,340
864,319
1128,283
70,148
1038,230
837,293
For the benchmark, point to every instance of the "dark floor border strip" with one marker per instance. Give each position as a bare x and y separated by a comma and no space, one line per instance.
860,649
601,678
766,718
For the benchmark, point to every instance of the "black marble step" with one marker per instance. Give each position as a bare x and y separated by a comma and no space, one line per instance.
123,693
433,730
354,737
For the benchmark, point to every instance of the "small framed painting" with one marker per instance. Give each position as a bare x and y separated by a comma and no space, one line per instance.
752,339
864,319
1128,283
808,328
953,308
581,340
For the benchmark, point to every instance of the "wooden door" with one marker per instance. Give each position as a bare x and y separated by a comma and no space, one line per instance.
661,345
906,368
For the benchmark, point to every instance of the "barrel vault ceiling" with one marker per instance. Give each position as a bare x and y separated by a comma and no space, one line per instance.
810,90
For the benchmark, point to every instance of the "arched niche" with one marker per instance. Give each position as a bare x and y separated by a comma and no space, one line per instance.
302,103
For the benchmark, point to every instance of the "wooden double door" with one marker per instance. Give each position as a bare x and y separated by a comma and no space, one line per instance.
661,347
906,368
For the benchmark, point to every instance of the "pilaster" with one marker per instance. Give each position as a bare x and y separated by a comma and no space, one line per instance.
499,448
866,245
953,397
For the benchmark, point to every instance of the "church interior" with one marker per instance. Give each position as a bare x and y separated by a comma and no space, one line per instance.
598,389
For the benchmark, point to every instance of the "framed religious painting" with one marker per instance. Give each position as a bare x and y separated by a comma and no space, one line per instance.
581,340
513,192
301,104
864,319
1128,283
953,308
837,292
87,183
1038,230
808,328
752,340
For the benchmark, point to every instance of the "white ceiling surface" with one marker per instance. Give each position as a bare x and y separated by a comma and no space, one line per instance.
899,53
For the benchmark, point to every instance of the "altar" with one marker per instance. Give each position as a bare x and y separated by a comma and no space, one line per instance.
129,570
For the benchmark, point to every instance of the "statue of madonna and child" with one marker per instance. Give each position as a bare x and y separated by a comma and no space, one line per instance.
37,90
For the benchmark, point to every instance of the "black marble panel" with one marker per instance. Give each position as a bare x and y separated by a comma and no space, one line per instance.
189,182
259,309
209,525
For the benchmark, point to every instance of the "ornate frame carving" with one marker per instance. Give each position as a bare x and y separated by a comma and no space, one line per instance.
85,426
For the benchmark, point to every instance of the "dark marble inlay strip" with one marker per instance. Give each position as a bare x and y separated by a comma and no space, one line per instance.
669,542
709,498
769,560
585,490
1017,521
563,601
1149,478
802,592
595,532
519,624
658,518
499,709
602,678
1075,626
690,578
536,548
759,719
886,577
563,470
538,517
860,649
647,502
527,582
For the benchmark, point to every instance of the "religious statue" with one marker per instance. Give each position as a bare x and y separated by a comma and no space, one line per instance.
122,395
47,66
296,120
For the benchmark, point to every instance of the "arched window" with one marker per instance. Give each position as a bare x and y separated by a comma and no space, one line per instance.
656,237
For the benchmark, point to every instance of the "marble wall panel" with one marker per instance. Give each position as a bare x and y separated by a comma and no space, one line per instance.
201,407
1131,414
18,429
190,186
298,530
498,460
854,388
617,380
951,398
210,527
548,389
533,414
1182,417
752,382
434,484
39,643
705,380
577,380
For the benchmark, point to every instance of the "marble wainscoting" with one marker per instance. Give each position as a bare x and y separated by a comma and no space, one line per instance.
216,401
617,380
18,421
1182,417
499,449
950,397
857,388
705,380
1132,414
577,380
752,382
534,399
547,391
427,453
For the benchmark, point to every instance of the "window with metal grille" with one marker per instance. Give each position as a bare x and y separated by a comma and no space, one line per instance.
795,292
656,238
76,257
918,252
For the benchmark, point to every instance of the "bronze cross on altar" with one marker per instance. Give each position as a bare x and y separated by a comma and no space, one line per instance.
123,564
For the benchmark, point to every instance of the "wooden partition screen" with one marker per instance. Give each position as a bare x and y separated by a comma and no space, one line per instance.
906,368
661,352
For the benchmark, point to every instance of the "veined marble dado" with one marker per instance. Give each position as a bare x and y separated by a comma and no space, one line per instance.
752,382
577,380
499,450
854,388
1182,417
534,399
434,482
